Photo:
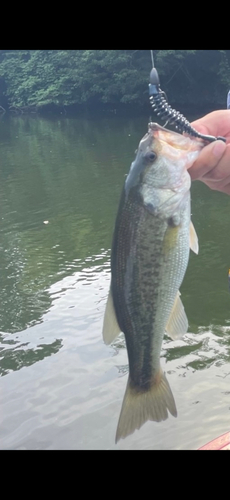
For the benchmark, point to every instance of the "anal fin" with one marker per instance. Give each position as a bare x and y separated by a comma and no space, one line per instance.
177,324
111,328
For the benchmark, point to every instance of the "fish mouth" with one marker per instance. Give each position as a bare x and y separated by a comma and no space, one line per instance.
174,139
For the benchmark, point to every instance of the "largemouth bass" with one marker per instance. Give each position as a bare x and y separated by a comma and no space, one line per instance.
150,251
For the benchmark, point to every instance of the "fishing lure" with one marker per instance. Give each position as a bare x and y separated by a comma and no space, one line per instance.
159,103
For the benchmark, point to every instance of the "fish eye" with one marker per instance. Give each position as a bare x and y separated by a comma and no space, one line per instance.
150,156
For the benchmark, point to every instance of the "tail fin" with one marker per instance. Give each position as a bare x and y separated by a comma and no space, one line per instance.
139,407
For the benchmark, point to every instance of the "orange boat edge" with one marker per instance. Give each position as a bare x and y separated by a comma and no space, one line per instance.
220,443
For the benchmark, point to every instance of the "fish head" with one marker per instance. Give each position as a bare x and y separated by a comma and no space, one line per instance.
176,150
160,167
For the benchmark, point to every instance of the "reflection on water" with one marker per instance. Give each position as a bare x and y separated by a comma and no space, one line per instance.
16,355
60,172
60,183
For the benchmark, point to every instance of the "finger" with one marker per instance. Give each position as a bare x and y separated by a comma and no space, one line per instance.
225,189
223,186
221,171
215,123
207,160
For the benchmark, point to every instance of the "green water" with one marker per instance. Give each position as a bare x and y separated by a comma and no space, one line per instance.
61,387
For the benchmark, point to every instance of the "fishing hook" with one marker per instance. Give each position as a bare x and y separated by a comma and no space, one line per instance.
159,103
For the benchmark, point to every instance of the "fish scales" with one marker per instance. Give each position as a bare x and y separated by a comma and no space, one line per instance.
141,272
150,252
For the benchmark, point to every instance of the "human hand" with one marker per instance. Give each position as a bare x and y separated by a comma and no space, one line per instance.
213,164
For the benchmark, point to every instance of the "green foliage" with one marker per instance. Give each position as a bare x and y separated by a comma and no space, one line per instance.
224,68
194,76
40,78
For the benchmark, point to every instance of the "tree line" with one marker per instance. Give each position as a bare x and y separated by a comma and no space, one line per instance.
40,80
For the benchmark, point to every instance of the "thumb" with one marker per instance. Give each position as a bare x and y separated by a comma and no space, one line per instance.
207,159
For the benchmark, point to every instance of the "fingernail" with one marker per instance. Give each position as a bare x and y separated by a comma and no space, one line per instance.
218,148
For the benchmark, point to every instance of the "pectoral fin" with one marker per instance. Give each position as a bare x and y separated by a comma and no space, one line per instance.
178,323
111,328
193,239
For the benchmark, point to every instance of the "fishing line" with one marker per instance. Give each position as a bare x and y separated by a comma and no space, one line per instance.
151,52
162,108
